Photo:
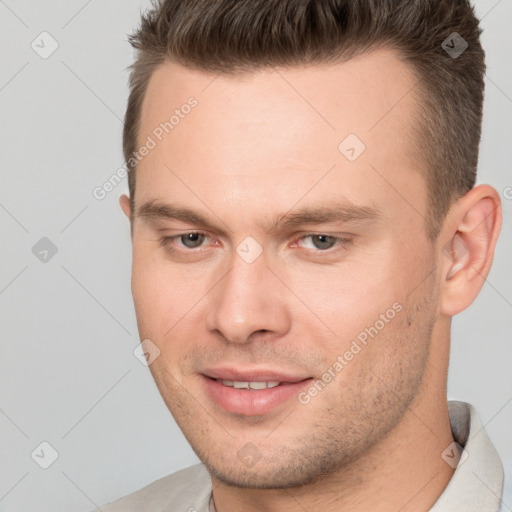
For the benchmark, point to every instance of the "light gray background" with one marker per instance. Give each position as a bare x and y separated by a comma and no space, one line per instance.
68,374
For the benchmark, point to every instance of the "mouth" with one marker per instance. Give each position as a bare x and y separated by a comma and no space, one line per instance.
231,376
252,397
254,385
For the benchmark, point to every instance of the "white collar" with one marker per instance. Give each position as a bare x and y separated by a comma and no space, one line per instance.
477,483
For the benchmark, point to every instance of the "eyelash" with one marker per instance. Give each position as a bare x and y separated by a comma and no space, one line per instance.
341,243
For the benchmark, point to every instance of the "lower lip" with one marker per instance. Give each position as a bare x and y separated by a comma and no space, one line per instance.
251,402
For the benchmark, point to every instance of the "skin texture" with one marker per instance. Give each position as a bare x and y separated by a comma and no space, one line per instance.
254,148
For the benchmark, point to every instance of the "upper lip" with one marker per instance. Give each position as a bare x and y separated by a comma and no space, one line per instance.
251,375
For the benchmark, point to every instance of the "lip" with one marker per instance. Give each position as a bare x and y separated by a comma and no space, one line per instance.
252,402
252,375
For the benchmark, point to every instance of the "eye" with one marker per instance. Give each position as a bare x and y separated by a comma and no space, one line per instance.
194,239
322,242
191,240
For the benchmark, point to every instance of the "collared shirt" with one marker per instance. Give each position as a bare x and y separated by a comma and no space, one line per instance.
476,484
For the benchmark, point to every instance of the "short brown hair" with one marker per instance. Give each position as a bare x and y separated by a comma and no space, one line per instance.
236,36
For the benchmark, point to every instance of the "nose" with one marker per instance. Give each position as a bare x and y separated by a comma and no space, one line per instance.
248,299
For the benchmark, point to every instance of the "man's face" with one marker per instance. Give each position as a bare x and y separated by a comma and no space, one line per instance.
359,290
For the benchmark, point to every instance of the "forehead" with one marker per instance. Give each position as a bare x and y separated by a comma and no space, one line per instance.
370,92
270,137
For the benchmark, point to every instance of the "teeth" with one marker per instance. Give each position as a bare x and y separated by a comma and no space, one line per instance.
249,385
259,385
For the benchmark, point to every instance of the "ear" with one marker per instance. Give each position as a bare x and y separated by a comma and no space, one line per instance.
467,242
124,201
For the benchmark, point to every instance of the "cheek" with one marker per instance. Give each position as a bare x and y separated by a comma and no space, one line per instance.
343,301
153,295
167,297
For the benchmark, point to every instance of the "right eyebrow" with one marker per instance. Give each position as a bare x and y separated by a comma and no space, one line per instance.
154,210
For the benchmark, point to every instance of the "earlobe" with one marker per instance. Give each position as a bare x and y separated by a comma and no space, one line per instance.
470,236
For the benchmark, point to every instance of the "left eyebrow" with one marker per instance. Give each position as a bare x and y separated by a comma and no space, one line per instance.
340,213
154,210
